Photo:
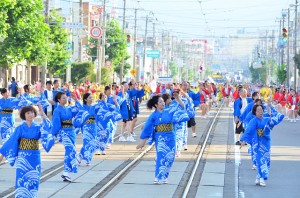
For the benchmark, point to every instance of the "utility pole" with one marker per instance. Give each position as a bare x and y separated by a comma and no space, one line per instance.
279,51
272,63
162,52
267,61
137,77
153,47
282,50
122,66
103,39
145,46
99,53
295,45
288,52
79,39
44,69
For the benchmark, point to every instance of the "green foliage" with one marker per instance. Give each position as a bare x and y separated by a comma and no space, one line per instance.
174,69
117,49
58,54
297,61
26,37
281,73
106,75
80,71
5,5
258,75
126,68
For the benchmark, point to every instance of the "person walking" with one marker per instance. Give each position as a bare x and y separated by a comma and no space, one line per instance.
13,87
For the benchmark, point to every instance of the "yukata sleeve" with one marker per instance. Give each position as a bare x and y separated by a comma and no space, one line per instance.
178,115
148,129
196,99
140,93
249,133
10,148
46,135
18,103
56,123
190,108
275,120
245,113
236,108
81,117
121,99
116,114
43,101
79,105
74,110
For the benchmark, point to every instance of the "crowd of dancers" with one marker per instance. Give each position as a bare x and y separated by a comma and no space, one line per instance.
65,112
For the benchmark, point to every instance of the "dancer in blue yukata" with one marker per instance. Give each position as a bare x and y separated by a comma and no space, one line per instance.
86,120
23,148
7,119
159,128
106,113
63,129
258,133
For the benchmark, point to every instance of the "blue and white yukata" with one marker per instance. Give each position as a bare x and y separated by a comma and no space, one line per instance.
258,133
63,129
246,121
126,106
23,147
7,118
190,108
105,114
36,100
86,120
159,128
135,95
113,124
181,130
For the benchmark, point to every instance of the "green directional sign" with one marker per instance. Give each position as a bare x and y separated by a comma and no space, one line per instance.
153,53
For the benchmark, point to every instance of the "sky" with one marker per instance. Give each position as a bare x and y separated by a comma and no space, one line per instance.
208,18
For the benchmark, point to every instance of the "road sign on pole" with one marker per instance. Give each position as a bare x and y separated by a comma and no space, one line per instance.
96,32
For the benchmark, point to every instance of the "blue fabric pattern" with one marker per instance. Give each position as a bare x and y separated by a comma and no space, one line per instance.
28,166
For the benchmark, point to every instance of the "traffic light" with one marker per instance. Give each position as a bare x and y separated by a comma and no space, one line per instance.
128,40
284,34
258,56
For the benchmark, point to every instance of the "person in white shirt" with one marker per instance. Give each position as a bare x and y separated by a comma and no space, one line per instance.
49,95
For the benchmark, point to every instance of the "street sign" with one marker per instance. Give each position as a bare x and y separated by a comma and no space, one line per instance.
165,80
72,25
96,32
153,53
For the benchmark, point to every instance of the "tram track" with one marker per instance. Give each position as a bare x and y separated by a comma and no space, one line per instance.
54,170
183,189
105,185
